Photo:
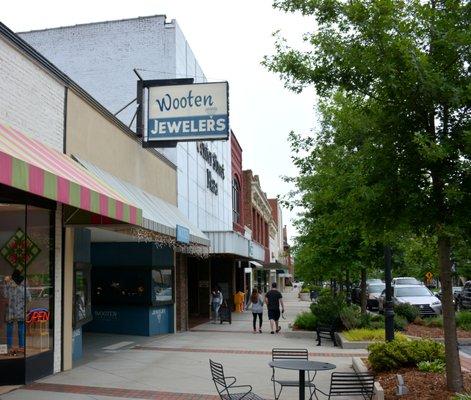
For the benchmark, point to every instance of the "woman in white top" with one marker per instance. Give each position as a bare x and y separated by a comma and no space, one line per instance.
256,302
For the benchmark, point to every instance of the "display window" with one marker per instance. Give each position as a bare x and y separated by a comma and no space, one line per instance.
82,294
146,286
26,290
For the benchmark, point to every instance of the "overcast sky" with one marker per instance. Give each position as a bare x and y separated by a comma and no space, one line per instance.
229,39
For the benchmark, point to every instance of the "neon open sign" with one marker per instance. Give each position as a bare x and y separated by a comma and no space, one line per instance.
37,315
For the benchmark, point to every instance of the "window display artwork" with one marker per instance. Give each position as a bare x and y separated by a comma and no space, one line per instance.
162,284
82,294
19,251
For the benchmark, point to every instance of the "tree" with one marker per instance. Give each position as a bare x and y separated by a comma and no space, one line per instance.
405,67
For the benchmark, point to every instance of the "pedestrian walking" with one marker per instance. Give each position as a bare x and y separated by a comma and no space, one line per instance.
274,300
216,301
256,302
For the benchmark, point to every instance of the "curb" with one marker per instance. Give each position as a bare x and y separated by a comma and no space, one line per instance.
347,344
359,366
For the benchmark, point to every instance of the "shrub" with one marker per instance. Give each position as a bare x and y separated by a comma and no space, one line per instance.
327,309
306,320
400,323
351,317
435,322
462,396
406,310
431,366
463,320
403,353
355,335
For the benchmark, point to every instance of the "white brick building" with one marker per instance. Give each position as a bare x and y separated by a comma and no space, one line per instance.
101,58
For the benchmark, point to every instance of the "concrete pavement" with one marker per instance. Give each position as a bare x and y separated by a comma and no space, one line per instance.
175,367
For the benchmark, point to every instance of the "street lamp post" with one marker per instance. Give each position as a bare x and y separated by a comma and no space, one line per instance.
388,305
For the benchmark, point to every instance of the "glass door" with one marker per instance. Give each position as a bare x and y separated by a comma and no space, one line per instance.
39,292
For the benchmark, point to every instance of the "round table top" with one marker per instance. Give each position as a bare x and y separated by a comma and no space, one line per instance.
299,365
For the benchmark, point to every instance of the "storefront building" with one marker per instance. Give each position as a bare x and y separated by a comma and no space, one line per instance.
204,194
258,217
74,194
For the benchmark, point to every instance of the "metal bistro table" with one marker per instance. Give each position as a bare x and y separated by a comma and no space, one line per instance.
302,366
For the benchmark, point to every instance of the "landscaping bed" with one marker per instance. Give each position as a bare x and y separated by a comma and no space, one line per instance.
421,385
432,332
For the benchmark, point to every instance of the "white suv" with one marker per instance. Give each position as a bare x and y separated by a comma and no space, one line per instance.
405,280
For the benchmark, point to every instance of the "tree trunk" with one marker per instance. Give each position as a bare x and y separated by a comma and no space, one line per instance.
363,291
453,367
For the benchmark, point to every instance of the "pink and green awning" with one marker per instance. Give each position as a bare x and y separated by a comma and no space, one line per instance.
29,165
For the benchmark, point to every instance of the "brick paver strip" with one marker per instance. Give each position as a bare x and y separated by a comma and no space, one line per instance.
229,351
116,392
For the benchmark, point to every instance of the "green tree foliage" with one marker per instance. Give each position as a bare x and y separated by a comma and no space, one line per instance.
394,150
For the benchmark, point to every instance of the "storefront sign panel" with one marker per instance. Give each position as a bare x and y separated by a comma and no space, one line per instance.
188,112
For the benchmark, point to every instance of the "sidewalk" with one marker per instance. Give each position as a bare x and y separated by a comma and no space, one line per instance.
175,367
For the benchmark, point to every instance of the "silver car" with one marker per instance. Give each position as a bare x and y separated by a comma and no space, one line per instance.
417,295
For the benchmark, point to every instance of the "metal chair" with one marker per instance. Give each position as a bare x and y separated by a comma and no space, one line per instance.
225,389
278,354
352,384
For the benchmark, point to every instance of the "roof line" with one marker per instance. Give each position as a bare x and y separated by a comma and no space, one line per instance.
98,22
69,83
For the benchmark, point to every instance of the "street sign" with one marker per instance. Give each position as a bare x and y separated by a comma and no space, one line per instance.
429,276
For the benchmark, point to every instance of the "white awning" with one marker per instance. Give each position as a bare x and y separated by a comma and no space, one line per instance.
157,214
256,264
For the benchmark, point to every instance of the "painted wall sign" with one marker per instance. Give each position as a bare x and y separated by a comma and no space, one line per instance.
183,234
198,111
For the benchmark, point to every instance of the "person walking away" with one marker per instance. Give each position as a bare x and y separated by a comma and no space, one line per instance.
273,300
216,301
256,302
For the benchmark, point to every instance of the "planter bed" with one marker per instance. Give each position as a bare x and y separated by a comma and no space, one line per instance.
349,344
427,332
421,385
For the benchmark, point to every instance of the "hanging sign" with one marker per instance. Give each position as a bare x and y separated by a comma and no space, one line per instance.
187,112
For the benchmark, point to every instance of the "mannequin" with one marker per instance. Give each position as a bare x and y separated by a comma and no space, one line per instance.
14,292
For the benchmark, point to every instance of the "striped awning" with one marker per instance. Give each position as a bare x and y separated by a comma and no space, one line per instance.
29,165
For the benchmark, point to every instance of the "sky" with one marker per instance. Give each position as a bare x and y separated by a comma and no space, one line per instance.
229,40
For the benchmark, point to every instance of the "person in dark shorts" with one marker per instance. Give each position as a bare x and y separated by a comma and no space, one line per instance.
273,300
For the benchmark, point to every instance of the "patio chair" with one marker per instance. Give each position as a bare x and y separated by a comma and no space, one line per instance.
225,385
352,384
278,354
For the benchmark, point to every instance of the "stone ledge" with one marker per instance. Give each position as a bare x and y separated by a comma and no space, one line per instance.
359,366
347,344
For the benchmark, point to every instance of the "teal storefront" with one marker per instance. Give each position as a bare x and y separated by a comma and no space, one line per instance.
132,289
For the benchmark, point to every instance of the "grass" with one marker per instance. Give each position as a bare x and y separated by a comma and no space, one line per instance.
357,335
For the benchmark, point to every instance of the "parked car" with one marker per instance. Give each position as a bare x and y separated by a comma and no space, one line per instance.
456,295
373,281
373,291
405,280
464,298
416,295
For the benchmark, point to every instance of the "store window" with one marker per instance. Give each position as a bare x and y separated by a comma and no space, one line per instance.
82,294
26,294
235,200
146,286
162,284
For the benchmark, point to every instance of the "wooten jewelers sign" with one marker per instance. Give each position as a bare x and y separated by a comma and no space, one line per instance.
198,111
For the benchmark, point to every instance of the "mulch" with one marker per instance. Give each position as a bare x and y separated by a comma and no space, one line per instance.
432,332
421,385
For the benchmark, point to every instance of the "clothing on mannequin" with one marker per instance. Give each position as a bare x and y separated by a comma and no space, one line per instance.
17,295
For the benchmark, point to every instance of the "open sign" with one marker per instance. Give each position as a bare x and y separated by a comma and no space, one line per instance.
37,315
